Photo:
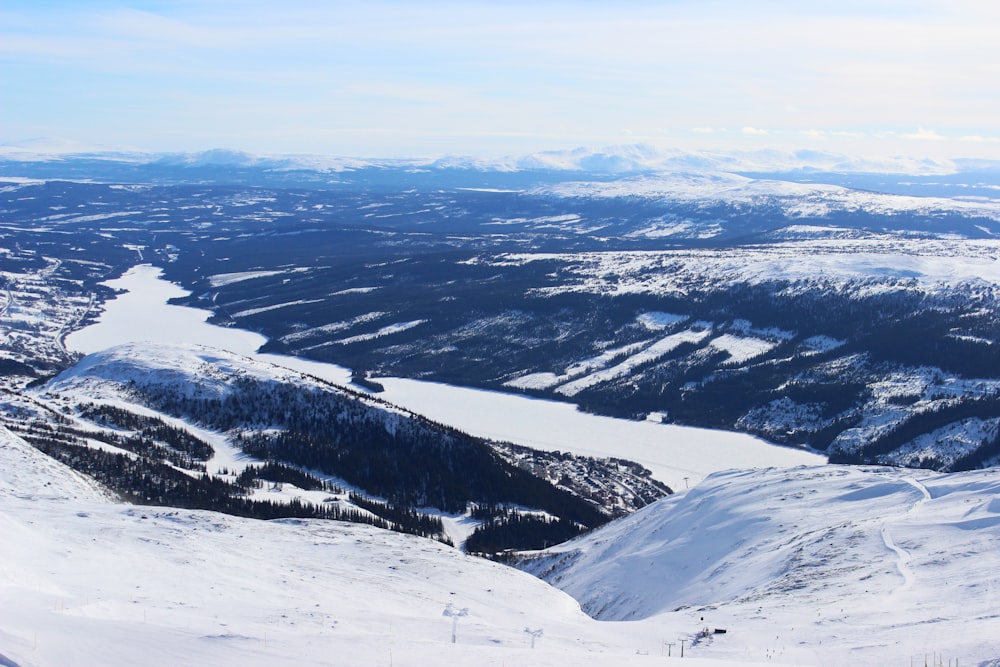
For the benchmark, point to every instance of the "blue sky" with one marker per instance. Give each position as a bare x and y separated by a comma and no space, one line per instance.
407,79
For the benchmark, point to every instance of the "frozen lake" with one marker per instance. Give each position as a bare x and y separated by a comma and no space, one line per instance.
677,455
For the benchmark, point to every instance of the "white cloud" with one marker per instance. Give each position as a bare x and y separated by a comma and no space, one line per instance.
924,135
979,139
754,131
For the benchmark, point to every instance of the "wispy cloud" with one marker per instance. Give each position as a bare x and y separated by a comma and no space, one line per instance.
979,139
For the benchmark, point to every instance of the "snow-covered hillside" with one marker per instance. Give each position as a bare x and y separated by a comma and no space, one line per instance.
864,267
864,566
810,566
796,200
85,580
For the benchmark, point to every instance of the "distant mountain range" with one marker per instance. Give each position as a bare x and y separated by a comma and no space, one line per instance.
621,159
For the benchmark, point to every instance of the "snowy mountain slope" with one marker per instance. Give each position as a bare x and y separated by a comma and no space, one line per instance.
31,475
812,566
203,372
860,266
863,565
97,582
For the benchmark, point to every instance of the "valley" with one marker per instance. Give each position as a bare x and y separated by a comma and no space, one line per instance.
845,321
609,379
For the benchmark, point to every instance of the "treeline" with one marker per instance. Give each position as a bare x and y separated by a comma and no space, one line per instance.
279,473
404,458
403,519
144,482
882,334
150,427
988,454
507,529
137,444
944,338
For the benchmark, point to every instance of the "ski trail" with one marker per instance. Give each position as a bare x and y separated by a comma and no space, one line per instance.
919,486
903,557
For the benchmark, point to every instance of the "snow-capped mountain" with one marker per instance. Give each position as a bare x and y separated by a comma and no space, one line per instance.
617,159
647,158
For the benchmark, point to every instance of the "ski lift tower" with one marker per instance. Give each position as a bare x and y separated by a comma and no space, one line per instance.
454,615
535,634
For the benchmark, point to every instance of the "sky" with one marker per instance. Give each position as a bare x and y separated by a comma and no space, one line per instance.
387,78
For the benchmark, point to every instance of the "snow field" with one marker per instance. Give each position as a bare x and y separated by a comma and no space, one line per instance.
927,264
383,331
809,566
796,200
591,372
92,581
741,348
656,350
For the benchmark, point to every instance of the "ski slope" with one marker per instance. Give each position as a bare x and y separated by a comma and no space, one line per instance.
86,580
864,566
808,566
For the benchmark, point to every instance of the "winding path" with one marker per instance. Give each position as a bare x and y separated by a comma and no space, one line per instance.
903,557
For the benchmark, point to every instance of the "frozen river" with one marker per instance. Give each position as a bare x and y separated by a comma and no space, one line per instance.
677,455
